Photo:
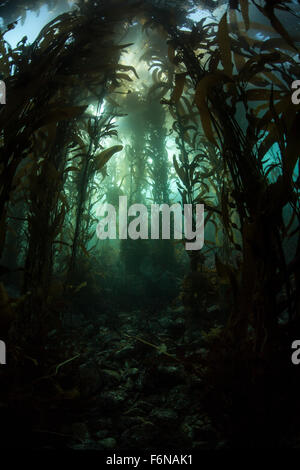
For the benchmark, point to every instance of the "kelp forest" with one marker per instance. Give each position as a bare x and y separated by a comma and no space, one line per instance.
120,342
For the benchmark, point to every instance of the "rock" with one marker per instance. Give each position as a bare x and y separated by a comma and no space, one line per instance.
102,434
80,431
203,352
177,310
139,436
102,424
212,309
125,353
52,333
166,323
143,407
88,445
187,431
90,330
179,322
108,443
73,320
127,422
110,377
90,380
163,376
170,374
112,400
174,326
157,401
164,417
178,397
223,445
199,429
132,372
206,432
203,445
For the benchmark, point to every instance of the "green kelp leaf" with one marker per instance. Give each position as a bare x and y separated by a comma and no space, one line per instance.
292,151
71,168
158,86
261,27
245,12
274,79
284,105
268,11
200,100
282,31
79,287
224,271
268,141
180,171
60,114
201,96
80,142
257,64
224,45
224,208
102,158
171,53
275,42
162,349
111,101
123,76
127,68
239,61
179,85
260,94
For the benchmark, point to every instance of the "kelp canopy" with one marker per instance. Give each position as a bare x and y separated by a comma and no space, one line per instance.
164,102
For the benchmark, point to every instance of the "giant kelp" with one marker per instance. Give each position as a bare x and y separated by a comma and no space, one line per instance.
258,203
222,97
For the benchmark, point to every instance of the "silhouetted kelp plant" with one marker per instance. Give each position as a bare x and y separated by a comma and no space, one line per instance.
137,98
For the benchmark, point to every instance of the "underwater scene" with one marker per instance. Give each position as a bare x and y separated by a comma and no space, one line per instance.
149,227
